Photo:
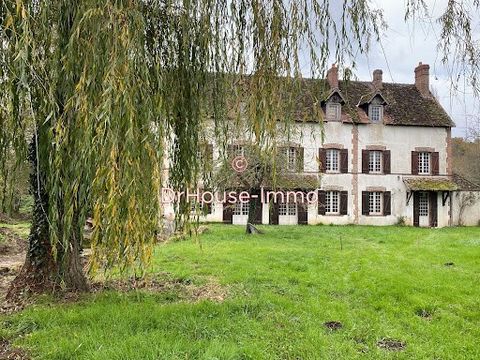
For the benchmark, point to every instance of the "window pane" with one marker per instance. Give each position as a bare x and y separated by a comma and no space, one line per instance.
423,204
375,203
333,111
292,209
238,150
376,113
332,160
331,202
424,163
292,159
375,163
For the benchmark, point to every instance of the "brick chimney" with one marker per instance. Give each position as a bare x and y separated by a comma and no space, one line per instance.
422,79
332,77
377,79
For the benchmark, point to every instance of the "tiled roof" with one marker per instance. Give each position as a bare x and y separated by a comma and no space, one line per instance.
464,184
430,184
455,182
405,105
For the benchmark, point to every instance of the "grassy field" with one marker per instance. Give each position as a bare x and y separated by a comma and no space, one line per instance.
378,282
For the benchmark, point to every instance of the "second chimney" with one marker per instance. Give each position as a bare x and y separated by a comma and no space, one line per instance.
422,79
332,77
377,79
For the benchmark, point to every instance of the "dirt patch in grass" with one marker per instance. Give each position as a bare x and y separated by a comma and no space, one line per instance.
12,243
333,325
391,344
7,352
424,313
184,288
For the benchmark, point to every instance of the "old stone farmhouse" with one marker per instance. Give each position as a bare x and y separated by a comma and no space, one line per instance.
386,158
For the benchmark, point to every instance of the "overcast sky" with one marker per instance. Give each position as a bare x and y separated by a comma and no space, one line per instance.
405,45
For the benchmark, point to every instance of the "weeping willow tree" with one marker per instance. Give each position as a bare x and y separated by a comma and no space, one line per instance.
94,93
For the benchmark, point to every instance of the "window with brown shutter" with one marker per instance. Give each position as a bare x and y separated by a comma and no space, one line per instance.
322,158
365,203
435,163
321,202
387,203
344,161
386,162
343,202
414,162
365,161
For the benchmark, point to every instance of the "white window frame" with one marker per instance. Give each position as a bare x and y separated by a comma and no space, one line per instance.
332,202
287,209
375,203
238,150
424,163
290,156
241,208
376,113
333,111
375,160
423,204
332,160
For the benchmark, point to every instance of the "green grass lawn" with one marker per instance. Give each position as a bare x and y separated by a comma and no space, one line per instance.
282,287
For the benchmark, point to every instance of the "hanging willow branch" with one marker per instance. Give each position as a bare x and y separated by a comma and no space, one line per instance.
107,87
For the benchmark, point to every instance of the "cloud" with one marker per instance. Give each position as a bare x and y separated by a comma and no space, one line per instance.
404,45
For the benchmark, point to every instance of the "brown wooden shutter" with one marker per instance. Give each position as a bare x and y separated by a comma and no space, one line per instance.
274,213
386,162
321,202
344,161
300,159
365,161
433,209
302,214
416,208
343,202
387,203
227,213
365,203
322,157
414,162
435,163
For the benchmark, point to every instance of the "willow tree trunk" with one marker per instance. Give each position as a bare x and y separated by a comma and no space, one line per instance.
252,211
42,272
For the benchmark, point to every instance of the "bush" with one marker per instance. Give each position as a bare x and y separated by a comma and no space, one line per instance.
401,221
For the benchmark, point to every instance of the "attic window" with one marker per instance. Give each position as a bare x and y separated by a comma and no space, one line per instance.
375,113
334,110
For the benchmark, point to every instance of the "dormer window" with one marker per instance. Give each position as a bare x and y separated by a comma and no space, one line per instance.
334,111
376,113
